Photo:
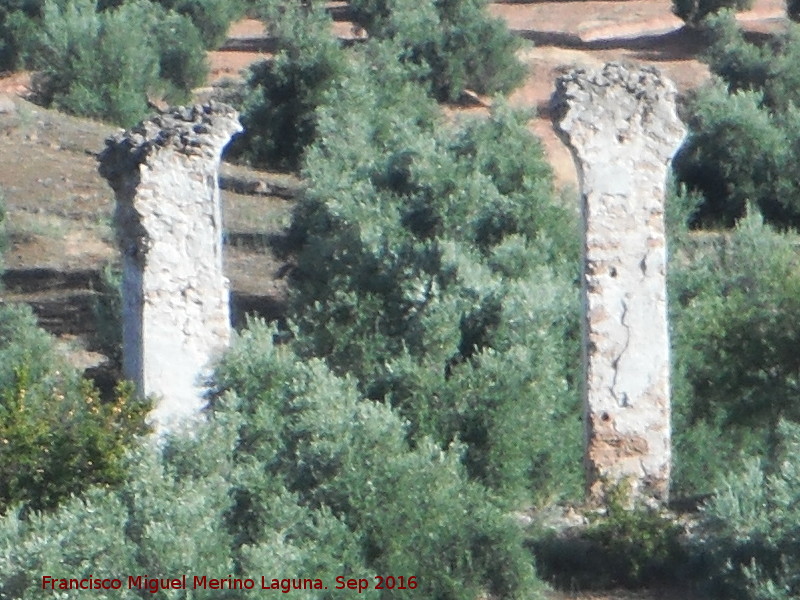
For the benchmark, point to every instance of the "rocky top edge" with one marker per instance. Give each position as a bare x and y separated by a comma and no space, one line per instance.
199,130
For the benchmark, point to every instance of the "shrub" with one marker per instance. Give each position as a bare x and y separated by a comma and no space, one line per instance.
458,44
278,114
418,247
628,546
56,437
181,60
793,10
411,506
735,303
771,68
742,65
717,159
753,107
210,17
139,528
640,545
694,11
91,64
18,24
295,475
449,46
751,527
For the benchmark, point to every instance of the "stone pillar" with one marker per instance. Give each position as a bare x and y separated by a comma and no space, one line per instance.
175,298
622,129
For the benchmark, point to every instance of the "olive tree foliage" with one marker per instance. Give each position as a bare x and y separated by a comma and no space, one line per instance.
18,22
753,105
734,308
211,17
447,46
90,64
278,111
456,42
752,523
57,437
718,158
419,246
793,10
435,266
294,476
733,313
694,11
770,68
21,19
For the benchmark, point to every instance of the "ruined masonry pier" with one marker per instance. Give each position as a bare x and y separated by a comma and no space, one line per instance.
622,129
175,298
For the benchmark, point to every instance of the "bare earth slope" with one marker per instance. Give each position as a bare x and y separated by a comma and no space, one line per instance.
59,220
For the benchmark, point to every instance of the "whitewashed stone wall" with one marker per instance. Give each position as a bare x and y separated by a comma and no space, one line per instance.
622,128
169,228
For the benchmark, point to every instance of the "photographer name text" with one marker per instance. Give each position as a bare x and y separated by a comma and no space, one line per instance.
204,582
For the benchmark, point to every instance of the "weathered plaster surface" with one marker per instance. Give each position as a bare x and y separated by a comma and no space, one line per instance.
622,128
169,228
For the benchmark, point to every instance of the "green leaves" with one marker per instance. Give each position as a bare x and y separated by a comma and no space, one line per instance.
296,472
694,11
415,243
734,293
444,47
718,158
411,507
456,42
753,519
754,106
736,367
210,17
57,437
90,65
278,112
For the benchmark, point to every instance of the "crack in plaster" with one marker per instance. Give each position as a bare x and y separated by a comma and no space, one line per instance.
622,401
